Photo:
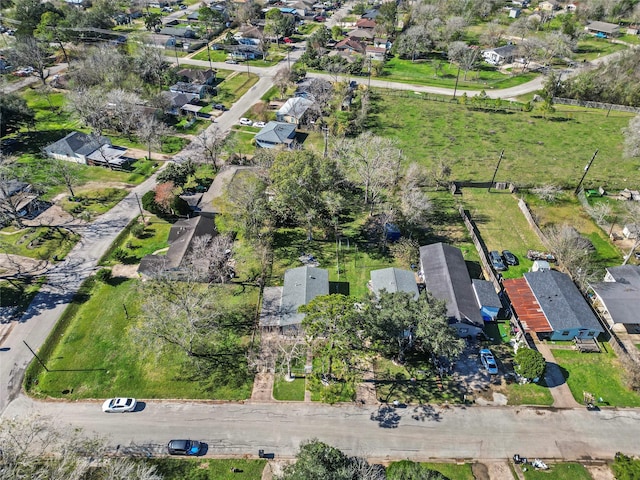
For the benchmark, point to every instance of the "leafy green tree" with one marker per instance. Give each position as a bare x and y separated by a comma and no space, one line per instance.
625,467
54,29
178,173
28,13
408,470
332,324
14,113
530,363
152,20
318,461
298,180
209,17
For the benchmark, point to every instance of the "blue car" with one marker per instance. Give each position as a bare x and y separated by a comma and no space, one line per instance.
184,447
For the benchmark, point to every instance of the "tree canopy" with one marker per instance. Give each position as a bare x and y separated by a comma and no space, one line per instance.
530,363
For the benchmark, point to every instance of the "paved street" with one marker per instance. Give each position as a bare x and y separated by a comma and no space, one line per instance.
415,433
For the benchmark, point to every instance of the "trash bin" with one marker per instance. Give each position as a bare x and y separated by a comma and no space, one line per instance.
261,453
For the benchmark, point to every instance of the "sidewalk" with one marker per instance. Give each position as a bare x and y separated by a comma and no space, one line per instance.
562,397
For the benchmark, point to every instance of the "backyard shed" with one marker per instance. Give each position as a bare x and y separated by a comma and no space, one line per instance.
487,298
393,280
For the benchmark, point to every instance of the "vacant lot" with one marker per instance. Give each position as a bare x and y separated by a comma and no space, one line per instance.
536,150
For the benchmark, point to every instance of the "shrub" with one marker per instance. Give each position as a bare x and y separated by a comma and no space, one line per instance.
530,363
120,254
104,275
137,230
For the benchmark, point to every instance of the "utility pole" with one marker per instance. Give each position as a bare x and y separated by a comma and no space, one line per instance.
496,171
586,169
175,49
455,88
140,207
325,129
209,56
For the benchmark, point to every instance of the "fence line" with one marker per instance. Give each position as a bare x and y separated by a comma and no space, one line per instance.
599,105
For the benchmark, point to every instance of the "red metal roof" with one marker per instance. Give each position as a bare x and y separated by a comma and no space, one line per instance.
525,305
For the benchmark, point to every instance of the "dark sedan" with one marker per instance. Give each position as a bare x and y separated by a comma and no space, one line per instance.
509,257
184,447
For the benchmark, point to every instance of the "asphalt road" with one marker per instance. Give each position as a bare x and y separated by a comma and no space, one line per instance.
416,433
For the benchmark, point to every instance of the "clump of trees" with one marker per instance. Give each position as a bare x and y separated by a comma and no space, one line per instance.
530,364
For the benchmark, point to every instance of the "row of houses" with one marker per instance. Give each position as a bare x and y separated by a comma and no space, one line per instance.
546,302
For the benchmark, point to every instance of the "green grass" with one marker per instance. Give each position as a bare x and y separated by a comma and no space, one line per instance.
41,243
19,293
453,471
591,48
156,234
559,471
291,391
502,225
599,374
471,141
423,72
528,394
91,354
92,203
208,468
235,86
216,55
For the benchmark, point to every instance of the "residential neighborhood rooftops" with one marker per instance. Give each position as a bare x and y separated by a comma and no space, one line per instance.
603,27
447,278
486,293
294,107
276,133
525,305
394,280
77,143
620,294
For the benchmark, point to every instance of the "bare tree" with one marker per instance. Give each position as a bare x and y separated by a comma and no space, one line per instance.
282,80
632,138
212,141
548,193
209,258
90,106
573,250
65,173
29,52
290,349
124,110
493,34
415,206
13,192
373,161
151,131
599,212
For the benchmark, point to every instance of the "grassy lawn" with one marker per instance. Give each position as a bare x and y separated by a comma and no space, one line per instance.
291,391
156,234
208,468
234,87
453,471
528,394
18,293
502,225
41,243
423,72
471,141
90,353
394,382
596,373
559,471
590,48
216,55
92,203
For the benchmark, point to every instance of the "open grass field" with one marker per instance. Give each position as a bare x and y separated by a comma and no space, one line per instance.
502,225
596,373
453,471
439,72
156,233
91,354
93,203
234,87
559,471
537,151
208,468
41,243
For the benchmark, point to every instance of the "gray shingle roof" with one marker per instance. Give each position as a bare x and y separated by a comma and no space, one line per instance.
561,301
276,132
486,295
301,285
621,298
394,280
77,143
447,278
294,107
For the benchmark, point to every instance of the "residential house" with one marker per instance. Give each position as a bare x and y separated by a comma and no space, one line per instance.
549,5
514,12
633,29
212,201
247,30
280,304
179,32
549,304
603,29
371,14
376,53
500,55
275,134
18,197
202,77
445,275
631,231
350,46
181,238
196,89
293,110
361,35
86,149
617,299
487,299
393,280
366,23
177,100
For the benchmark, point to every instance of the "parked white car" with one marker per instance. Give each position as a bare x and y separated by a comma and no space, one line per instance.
245,121
259,124
119,405
489,363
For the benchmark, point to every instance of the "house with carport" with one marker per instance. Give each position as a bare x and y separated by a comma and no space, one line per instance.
445,275
617,298
603,29
549,304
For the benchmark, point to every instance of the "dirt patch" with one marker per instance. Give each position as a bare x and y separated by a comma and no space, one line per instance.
492,471
126,271
274,468
12,265
54,216
600,472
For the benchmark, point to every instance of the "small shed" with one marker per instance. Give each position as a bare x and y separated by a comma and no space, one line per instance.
631,231
540,266
487,299
392,232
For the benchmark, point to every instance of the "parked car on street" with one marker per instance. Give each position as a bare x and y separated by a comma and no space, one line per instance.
219,106
184,447
119,405
245,121
496,261
509,257
231,61
488,362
